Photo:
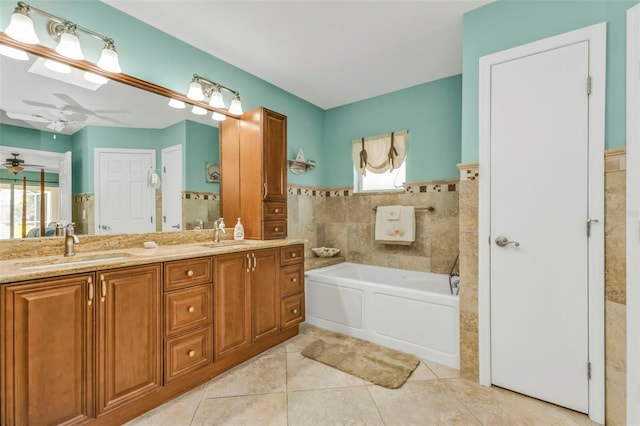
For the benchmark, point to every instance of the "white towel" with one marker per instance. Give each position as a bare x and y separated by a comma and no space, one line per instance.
392,212
402,231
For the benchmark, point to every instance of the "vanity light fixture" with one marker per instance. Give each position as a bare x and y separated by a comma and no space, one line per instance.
200,88
21,28
58,67
12,52
218,117
174,103
95,78
198,110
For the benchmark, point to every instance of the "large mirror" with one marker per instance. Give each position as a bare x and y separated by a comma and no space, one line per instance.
137,165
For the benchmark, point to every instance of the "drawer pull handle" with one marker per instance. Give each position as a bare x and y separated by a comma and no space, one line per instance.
293,255
276,229
191,309
189,273
103,288
295,280
90,282
277,210
191,354
294,311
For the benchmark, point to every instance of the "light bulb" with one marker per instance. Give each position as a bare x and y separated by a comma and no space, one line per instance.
109,59
216,100
57,66
218,117
95,78
236,106
174,103
12,52
195,91
198,110
21,27
69,46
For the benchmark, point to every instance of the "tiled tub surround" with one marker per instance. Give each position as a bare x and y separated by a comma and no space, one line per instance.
615,280
339,218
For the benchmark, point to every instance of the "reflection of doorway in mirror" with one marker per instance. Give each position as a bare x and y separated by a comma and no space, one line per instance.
11,207
172,188
125,202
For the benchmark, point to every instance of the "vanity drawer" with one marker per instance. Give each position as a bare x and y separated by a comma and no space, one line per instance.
275,229
291,255
292,311
274,210
187,353
292,279
186,273
187,308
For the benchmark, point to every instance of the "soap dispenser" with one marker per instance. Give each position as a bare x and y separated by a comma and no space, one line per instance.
238,231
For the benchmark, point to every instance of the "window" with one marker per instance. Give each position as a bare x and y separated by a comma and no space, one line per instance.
11,209
379,162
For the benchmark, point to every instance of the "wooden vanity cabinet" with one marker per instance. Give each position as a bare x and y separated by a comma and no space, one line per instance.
292,285
246,307
253,160
47,351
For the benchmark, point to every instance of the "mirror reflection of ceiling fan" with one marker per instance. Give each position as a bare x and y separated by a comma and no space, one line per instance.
56,124
15,165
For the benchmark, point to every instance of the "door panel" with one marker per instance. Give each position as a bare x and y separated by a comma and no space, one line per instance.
539,170
172,188
265,290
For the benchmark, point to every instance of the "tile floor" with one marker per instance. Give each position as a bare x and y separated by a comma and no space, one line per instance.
281,387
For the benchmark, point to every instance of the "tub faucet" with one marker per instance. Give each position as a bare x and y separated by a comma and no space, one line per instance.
70,238
218,226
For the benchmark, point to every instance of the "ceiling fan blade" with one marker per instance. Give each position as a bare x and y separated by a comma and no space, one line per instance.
72,105
28,117
39,104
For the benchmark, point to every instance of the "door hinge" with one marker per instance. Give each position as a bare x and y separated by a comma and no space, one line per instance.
589,85
164,169
589,370
151,219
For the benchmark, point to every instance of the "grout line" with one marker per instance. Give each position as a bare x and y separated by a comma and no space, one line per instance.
375,404
471,412
204,390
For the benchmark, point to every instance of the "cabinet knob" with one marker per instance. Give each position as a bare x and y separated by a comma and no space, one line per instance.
295,280
191,354
294,311
191,309
293,255
189,273
277,210
277,229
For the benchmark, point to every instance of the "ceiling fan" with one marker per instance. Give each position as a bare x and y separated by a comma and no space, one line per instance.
15,165
57,124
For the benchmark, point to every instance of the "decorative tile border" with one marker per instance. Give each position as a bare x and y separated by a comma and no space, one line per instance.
434,186
468,171
347,191
195,195
80,198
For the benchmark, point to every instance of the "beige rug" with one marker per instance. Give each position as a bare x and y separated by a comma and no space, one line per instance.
373,363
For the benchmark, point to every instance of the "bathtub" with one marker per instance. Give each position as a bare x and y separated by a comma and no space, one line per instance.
409,311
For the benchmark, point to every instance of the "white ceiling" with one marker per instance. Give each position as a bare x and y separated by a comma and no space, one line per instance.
329,53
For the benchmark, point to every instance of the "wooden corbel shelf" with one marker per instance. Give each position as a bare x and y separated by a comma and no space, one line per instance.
298,167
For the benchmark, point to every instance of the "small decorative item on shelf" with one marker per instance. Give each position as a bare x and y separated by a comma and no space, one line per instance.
300,164
212,173
325,251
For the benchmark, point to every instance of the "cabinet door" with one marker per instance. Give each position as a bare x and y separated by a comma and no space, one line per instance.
274,127
232,303
129,335
265,292
47,330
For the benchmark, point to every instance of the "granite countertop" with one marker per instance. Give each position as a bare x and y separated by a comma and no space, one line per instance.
28,268
320,262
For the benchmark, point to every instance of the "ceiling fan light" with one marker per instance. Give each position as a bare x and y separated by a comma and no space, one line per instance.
218,117
21,27
236,106
58,67
198,110
12,52
174,103
69,46
195,91
216,100
109,59
95,78
14,169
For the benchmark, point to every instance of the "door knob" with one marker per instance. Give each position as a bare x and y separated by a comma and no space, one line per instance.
503,242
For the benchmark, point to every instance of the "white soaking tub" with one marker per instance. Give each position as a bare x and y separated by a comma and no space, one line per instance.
410,311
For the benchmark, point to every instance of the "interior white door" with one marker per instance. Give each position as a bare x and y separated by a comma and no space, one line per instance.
64,182
125,202
539,203
172,188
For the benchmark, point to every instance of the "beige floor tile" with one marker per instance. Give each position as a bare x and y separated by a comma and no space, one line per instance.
496,406
176,412
420,403
344,406
254,410
442,371
422,372
304,373
263,374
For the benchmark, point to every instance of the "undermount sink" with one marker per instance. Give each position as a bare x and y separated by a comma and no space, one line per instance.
76,260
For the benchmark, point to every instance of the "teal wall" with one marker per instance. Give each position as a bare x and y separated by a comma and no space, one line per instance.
505,24
33,139
33,178
202,147
432,114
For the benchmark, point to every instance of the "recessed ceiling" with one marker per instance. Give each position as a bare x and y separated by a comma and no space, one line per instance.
329,53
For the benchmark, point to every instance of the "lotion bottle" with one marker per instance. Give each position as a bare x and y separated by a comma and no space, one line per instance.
238,231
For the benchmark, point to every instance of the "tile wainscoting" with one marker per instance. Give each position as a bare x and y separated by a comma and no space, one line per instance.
615,280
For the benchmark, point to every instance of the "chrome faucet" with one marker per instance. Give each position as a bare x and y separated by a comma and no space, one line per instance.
218,226
70,238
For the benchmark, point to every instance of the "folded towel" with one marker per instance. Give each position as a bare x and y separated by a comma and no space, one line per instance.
391,212
401,231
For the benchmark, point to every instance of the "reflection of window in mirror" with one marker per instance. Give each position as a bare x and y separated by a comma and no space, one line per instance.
11,197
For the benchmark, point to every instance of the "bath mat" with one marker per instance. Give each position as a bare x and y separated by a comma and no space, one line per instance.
373,363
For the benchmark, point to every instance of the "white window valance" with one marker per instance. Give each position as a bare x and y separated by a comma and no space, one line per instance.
378,154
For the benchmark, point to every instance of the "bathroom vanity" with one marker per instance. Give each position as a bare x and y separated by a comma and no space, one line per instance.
105,337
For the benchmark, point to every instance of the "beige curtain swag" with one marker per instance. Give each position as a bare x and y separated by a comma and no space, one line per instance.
378,154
